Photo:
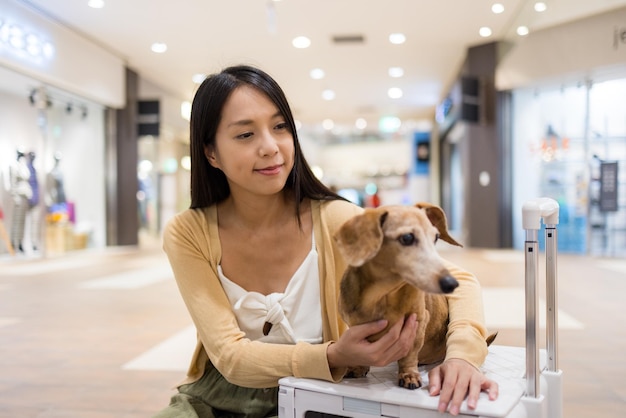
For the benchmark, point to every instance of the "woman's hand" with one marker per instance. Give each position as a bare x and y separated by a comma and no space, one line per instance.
454,379
353,349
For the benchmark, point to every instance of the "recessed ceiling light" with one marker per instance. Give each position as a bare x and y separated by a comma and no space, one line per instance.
485,32
159,47
301,42
540,6
394,92
317,74
396,72
522,30
497,8
328,94
360,123
397,38
96,4
328,124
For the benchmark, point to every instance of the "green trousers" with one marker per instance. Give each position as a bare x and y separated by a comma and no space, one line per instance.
214,397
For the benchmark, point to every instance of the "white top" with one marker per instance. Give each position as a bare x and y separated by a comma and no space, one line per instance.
19,175
295,315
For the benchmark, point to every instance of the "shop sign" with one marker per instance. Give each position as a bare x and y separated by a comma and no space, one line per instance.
608,186
23,43
619,37
421,148
148,117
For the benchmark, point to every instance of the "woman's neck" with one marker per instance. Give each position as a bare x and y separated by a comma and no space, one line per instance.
264,212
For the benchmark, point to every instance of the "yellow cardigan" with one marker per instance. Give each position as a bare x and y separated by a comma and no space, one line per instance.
191,242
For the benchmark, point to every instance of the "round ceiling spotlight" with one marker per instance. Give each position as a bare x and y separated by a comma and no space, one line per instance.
317,74
394,92
497,8
328,95
485,32
397,38
301,42
159,47
396,72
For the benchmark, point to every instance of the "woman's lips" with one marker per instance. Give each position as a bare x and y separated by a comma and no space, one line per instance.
275,169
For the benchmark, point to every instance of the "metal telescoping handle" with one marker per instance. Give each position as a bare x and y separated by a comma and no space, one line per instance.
532,348
552,324
533,212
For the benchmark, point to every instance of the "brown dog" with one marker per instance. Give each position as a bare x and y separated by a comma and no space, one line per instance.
394,270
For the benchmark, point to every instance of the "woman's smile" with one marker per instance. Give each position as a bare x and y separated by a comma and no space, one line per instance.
270,170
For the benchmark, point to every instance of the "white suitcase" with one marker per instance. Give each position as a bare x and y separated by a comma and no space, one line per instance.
529,380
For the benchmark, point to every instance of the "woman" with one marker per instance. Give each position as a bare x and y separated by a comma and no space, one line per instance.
258,270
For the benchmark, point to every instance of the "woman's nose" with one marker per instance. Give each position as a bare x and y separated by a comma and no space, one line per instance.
268,145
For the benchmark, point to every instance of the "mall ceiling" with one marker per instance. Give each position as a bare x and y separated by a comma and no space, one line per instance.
349,42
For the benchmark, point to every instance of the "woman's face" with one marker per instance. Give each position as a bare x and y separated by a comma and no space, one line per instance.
253,145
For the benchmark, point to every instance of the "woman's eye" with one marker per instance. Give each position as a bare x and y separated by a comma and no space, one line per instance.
245,135
407,239
282,126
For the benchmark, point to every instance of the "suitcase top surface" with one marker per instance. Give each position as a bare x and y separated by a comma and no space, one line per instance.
505,365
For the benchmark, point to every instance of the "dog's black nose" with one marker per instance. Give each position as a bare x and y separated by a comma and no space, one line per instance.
448,284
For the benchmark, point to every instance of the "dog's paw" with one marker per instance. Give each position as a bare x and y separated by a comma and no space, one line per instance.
354,372
409,380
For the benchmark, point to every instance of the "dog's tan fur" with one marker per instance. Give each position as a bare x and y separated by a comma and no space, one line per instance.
391,276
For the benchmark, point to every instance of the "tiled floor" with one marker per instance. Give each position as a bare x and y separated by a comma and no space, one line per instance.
103,334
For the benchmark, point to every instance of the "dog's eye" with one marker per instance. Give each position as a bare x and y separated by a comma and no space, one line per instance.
407,239
437,238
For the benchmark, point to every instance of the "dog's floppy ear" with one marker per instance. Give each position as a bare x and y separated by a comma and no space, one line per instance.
438,219
360,237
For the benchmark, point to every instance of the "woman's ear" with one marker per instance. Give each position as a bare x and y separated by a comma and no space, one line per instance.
209,153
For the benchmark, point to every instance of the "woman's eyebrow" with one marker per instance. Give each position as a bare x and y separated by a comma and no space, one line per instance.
245,122
242,122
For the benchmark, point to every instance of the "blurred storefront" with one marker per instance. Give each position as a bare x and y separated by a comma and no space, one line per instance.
544,115
568,129
570,145
55,89
74,113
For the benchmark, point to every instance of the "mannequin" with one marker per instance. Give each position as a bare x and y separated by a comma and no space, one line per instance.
33,203
20,192
54,183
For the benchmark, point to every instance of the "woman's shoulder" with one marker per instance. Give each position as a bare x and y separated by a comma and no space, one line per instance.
190,220
192,215
336,212
192,230
340,205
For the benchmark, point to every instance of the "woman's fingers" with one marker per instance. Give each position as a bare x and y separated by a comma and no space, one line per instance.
456,379
354,348
396,343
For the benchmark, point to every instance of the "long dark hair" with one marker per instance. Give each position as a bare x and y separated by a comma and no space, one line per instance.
208,184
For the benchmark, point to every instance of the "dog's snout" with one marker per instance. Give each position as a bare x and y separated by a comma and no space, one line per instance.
447,284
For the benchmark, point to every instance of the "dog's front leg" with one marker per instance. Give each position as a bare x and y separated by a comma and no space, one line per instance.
356,372
408,373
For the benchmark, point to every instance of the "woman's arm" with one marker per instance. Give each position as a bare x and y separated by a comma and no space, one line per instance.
459,375
467,332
